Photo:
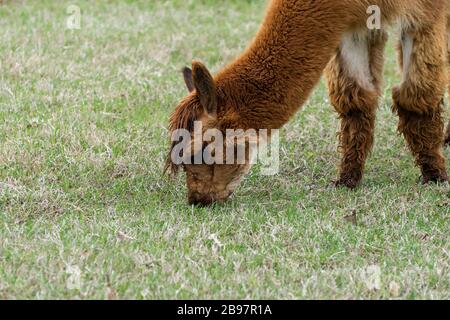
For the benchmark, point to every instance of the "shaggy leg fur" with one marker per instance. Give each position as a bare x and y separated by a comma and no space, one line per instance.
354,79
419,100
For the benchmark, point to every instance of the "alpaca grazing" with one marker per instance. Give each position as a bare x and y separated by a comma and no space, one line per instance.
298,42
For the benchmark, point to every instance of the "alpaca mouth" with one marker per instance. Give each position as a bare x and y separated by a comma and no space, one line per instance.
205,200
200,200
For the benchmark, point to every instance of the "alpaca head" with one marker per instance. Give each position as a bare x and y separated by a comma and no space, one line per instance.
208,182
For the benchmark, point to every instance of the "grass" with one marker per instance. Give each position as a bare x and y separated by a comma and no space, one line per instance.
85,211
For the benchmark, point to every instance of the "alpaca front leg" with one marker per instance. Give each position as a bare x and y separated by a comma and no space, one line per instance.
354,79
356,141
419,100
423,132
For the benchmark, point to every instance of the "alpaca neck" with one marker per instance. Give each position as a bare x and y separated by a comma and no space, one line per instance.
276,74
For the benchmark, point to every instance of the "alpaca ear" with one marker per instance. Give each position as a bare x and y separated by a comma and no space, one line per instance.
206,89
188,79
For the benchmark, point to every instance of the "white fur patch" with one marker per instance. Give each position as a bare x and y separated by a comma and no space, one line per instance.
407,48
355,54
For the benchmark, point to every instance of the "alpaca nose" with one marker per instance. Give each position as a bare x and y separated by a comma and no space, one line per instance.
200,200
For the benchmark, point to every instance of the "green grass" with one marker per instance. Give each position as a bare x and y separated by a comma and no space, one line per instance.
85,211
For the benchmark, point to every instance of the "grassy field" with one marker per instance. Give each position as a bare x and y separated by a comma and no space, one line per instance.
85,211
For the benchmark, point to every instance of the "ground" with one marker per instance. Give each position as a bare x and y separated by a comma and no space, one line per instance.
86,212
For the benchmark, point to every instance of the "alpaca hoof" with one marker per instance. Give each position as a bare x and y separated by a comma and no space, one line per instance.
441,178
348,182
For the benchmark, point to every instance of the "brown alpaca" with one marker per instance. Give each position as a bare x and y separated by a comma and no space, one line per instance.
298,41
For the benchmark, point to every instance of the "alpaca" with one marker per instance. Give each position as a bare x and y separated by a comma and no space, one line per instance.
298,42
